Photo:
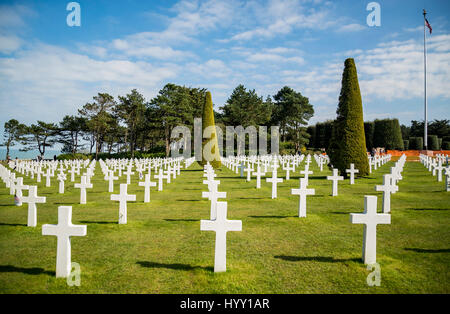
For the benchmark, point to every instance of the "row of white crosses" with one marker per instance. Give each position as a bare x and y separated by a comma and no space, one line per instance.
437,168
370,218
218,221
18,187
173,168
335,178
321,160
32,168
390,181
289,164
63,230
378,160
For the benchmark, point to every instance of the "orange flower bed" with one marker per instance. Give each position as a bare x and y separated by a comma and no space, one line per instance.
410,153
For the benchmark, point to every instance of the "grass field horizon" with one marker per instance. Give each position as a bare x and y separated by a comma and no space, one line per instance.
162,250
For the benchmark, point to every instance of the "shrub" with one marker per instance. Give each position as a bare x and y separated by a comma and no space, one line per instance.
388,134
416,143
368,132
70,156
348,144
433,142
212,145
406,144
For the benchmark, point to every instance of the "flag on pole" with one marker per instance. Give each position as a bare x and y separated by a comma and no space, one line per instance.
428,25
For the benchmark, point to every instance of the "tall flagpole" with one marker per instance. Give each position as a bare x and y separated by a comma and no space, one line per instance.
425,139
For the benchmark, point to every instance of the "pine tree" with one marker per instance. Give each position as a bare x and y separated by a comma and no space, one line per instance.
211,143
348,144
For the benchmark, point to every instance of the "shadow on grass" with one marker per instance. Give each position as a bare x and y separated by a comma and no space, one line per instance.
98,222
271,216
176,266
429,208
417,250
341,213
251,198
309,177
7,204
188,200
325,259
28,271
168,219
14,225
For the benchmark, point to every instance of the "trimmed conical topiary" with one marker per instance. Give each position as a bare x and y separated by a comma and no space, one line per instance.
210,145
348,143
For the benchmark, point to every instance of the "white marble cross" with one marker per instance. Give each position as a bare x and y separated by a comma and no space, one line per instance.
335,178
439,169
274,180
370,219
61,177
288,170
72,172
258,175
111,178
447,180
167,174
19,186
83,186
352,172
12,183
394,176
306,172
47,176
160,178
303,191
128,173
388,188
249,170
211,182
38,174
32,199
147,184
63,231
123,198
242,167
213,195
221,226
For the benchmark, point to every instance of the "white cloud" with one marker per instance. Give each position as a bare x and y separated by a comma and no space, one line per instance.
46,82
351,28
14,16
268,57
9,44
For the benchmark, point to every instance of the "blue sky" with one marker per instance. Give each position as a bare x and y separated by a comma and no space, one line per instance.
48,69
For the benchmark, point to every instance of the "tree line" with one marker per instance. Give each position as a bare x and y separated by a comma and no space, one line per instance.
389,134
132,124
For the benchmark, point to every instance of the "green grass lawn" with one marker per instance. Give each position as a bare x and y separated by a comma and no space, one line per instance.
162,250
